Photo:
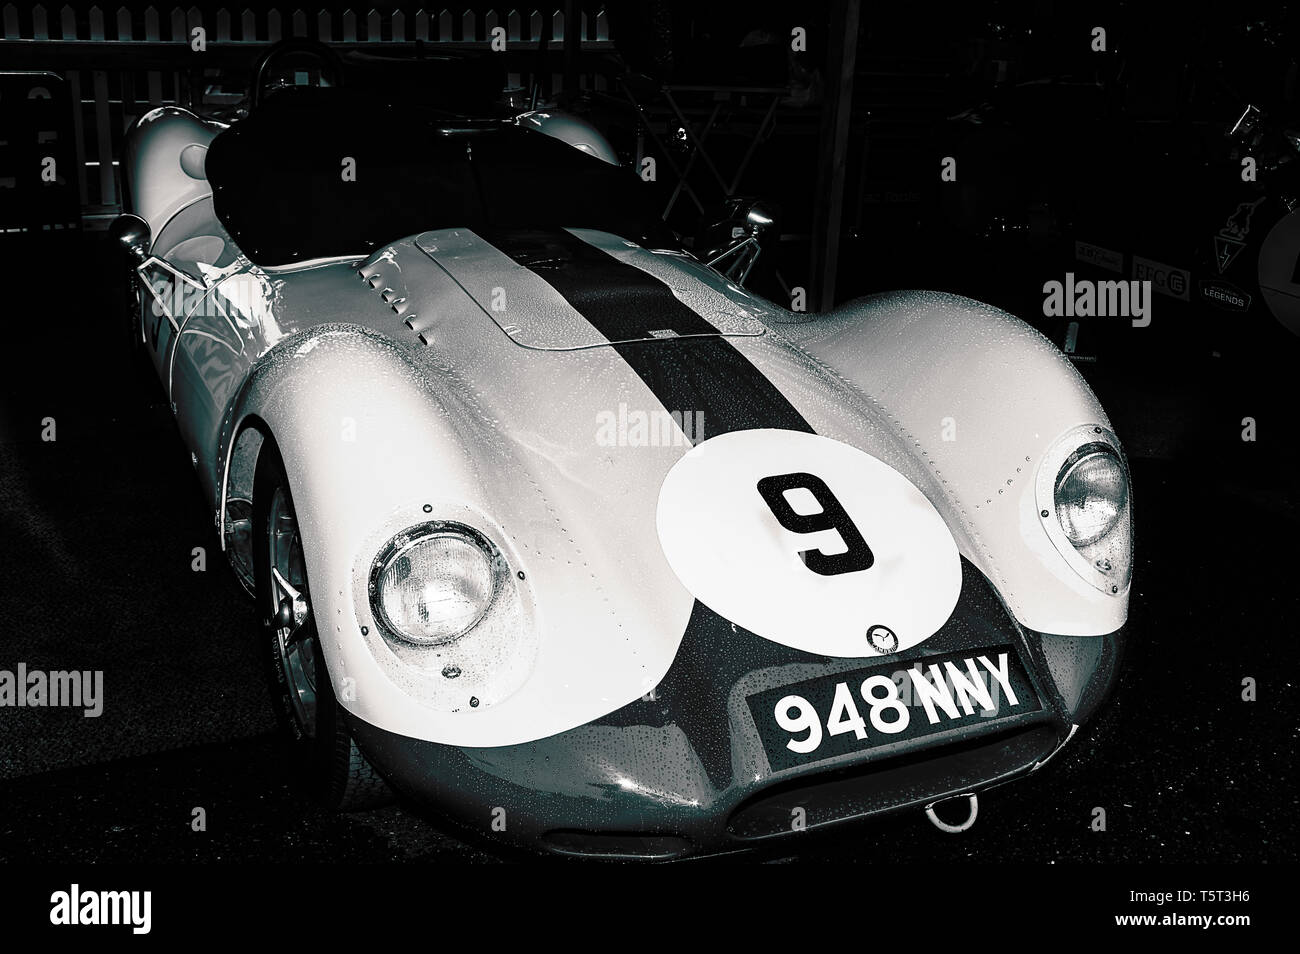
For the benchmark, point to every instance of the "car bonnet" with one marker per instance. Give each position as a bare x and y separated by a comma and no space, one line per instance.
585,289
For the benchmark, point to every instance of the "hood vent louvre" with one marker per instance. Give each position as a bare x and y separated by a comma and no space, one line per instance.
384,275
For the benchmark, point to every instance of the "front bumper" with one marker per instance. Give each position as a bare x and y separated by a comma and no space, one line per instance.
684,772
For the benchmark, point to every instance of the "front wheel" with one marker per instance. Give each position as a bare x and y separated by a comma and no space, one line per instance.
301,692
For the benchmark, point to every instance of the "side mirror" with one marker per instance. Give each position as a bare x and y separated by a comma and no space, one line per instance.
731,238
131,234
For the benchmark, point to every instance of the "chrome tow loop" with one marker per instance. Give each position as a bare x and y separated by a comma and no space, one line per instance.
974,801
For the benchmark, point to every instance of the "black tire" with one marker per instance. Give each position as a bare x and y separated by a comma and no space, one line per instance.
333,768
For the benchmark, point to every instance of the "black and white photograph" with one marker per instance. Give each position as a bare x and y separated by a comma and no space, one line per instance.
630,437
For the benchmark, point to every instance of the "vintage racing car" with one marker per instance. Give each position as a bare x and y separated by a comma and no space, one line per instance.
558,529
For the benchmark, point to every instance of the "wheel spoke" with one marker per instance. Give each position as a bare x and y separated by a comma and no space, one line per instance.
292,612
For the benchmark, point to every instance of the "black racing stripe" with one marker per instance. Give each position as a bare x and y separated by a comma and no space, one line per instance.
710,376
620,300
704,375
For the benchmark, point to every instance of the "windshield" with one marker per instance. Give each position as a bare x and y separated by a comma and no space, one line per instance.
320,175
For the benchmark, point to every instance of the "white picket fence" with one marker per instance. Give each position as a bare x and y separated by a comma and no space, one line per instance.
267,26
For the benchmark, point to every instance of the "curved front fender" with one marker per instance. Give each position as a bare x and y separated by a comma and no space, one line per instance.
348,411
374,442
370,449
984,398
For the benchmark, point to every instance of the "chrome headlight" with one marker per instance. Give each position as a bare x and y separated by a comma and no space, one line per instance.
434,582
1086,506
1091,494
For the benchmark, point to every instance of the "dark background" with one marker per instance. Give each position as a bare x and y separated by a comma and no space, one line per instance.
1055,144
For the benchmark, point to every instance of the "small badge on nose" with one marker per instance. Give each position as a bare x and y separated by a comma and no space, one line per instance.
882,639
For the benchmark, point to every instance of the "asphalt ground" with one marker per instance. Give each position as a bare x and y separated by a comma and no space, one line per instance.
99,526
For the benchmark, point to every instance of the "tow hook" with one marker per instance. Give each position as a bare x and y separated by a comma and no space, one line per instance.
942,825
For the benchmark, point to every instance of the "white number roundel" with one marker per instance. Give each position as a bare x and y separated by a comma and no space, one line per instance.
808,542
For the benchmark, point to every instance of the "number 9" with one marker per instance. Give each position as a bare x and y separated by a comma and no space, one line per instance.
806,721
856,556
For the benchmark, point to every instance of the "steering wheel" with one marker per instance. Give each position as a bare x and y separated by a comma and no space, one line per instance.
265,66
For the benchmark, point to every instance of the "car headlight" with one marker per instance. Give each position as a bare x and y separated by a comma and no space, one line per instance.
1091,493
1086,506
433,583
